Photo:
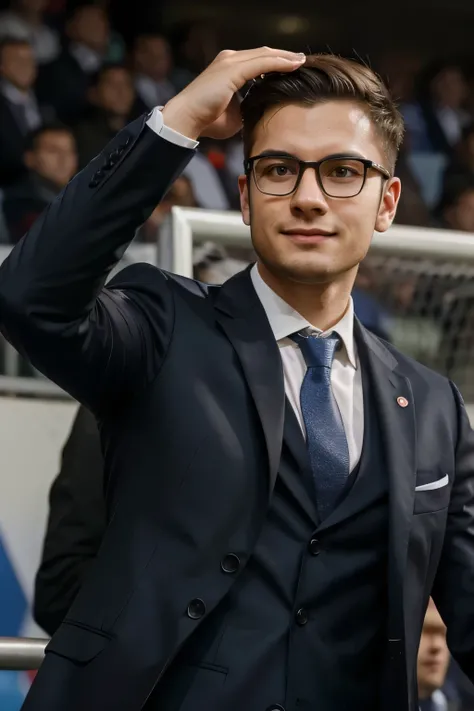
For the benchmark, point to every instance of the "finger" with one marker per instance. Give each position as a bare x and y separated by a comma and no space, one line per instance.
245,54
264,64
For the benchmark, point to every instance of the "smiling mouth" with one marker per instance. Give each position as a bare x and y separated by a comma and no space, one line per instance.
308,235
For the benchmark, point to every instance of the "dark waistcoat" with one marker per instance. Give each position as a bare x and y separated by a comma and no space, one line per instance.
303,627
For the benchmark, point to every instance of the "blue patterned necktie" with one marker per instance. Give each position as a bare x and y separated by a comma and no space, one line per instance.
325,434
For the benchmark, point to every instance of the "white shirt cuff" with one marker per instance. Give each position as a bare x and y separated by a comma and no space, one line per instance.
155,122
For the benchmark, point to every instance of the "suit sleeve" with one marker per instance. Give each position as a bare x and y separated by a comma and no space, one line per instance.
453,590
96,342
76,524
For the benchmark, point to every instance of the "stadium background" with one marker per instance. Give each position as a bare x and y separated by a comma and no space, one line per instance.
423,49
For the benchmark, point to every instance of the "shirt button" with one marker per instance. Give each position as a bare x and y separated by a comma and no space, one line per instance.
230,563
196,609
301,617
314,546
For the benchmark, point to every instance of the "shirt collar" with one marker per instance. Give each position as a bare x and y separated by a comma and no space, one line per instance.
284,320
14,95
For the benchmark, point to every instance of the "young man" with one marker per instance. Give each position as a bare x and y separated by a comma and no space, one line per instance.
284,490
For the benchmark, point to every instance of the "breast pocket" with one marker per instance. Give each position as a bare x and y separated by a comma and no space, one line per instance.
432,491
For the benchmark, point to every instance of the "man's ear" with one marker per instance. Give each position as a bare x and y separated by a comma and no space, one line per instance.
244,199
388,205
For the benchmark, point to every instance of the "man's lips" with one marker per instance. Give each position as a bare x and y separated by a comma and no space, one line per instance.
304,234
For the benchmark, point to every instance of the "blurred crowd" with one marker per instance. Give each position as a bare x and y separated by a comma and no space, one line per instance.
66,90
69,82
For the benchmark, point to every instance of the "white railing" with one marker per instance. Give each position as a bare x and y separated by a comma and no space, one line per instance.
190,225
21,653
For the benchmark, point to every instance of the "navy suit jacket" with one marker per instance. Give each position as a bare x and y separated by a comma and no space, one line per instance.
186,383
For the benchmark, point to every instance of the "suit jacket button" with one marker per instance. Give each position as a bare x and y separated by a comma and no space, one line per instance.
196,609
301,617
314,546
230,563
276,707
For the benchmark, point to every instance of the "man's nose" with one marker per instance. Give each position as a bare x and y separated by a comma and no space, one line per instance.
309,196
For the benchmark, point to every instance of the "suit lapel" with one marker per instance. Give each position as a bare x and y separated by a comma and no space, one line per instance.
399,441
243,320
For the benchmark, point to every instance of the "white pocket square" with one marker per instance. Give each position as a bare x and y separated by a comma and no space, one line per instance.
438,484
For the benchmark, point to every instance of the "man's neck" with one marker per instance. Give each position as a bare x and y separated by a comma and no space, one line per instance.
322,305
424,694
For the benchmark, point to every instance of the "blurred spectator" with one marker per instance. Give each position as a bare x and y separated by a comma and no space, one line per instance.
65,82
25,20
76,524
20,111
435,122
456,208
412,209
180,194
194,47
462,163
206,182
223,156
51,160
152,63
433,663
111,98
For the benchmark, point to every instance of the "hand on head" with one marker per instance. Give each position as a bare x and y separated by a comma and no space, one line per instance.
209,105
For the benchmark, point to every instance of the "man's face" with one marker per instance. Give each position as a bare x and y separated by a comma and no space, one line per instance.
54,157
312,134
18,66
90,27
450,88
433,654
153,57
115,92
461,215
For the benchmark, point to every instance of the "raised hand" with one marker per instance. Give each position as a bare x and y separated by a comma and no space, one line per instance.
209,105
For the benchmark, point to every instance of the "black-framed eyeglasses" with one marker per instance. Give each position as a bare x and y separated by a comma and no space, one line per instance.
338,176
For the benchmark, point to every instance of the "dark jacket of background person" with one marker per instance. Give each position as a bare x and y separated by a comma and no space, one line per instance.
65,83
76,524
21,111
50,159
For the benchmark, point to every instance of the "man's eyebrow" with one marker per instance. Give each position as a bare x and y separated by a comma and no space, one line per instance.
333,156
276,152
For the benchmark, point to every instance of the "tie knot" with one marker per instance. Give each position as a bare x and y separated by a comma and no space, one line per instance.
318,352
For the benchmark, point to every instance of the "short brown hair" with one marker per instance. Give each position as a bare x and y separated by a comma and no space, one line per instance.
325,77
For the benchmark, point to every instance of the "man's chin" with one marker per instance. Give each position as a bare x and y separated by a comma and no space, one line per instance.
311,271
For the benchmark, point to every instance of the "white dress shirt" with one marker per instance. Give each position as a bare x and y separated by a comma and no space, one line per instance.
346,378
26,101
